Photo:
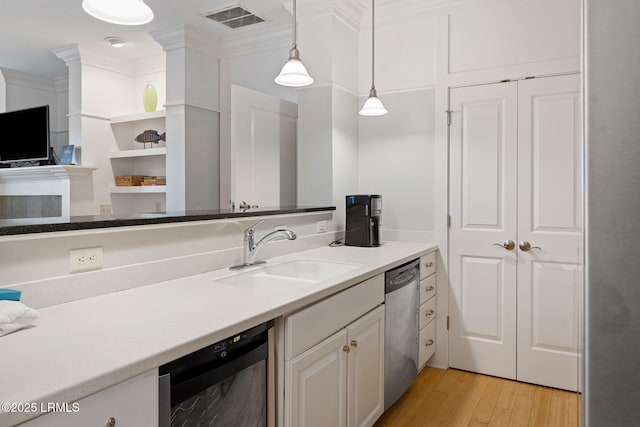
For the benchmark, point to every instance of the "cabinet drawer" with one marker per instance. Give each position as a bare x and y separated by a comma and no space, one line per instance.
427,288
133,402
427,265
427,312
427,344
311,325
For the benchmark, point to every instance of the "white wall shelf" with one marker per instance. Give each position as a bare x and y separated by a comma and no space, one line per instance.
148,152
139,189
138,117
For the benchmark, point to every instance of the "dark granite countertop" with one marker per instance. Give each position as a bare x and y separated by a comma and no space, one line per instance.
45,225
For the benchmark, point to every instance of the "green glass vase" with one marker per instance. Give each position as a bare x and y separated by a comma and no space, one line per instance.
150,97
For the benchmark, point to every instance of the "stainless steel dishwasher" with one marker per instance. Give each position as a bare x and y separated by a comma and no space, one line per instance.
400,330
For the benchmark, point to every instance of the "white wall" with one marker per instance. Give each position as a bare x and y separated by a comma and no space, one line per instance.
396,153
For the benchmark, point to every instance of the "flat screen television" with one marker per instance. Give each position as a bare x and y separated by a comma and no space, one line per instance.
24,135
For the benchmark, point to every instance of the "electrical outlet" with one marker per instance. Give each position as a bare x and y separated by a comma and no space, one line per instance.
86,259
105,209
321,227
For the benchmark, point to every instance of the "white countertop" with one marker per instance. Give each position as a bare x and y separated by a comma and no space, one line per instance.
84,346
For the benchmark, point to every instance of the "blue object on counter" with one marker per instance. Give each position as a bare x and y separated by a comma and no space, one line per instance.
10,294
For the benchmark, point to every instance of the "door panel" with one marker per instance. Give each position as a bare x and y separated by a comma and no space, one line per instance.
549,218
480,302
483,148
317,385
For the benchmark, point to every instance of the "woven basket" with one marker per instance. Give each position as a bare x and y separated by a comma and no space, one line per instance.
129,180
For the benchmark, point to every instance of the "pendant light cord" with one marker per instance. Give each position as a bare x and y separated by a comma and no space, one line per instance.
295,26
373,44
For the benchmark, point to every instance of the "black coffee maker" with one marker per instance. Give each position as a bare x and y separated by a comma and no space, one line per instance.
363,220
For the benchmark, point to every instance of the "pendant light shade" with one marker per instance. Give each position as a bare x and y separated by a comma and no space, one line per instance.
294,73
121,12
373,105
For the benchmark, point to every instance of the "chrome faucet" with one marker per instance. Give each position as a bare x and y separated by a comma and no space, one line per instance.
251,248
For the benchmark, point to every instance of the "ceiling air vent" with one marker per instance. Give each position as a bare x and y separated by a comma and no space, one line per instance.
234,17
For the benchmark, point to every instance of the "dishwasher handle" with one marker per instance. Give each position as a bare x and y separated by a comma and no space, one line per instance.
402,276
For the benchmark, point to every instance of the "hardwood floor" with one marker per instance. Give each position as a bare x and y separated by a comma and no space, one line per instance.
458,398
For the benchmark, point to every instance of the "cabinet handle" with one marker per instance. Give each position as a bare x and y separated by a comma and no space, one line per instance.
346,349
354,343
111,422
429,264
430,288
429,342
429,313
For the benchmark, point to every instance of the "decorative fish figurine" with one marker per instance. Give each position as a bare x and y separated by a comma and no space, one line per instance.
151,136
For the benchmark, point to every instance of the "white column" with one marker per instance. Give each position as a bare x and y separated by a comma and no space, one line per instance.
193,119
328,110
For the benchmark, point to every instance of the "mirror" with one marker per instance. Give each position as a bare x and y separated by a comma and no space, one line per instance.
31,72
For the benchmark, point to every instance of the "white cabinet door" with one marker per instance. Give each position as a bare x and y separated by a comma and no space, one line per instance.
132,403
263,149
365,384
316,385
549,201
483,184
515,156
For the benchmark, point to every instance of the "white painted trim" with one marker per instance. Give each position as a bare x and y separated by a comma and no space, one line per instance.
21,79
254,42
514,72
183,103
88,115
40,173
187,37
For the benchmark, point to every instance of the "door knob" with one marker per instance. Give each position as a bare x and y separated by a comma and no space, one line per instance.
526,246
507,244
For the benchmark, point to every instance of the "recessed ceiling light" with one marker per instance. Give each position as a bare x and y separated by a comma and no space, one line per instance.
115,41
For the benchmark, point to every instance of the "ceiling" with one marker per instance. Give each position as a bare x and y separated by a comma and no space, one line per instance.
31,29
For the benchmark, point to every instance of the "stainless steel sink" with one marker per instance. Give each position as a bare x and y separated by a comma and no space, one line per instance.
289,274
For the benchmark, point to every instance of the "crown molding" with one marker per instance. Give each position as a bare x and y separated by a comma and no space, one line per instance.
348,11
19,78
187,37
74,55
273,38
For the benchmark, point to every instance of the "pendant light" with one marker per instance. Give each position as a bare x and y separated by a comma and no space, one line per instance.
121,12
294,73
373,106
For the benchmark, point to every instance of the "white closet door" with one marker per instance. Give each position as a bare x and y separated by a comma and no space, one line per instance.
483,185
549,197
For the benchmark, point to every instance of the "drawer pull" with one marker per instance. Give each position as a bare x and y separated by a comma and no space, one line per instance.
429,312
430,288
346,349
111,422
354,343
429,343
429,264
